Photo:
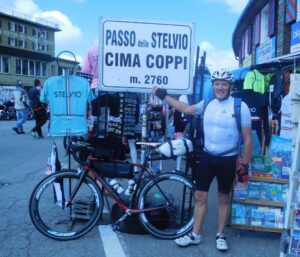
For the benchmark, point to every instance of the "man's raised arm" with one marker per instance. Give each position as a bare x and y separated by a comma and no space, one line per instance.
161,93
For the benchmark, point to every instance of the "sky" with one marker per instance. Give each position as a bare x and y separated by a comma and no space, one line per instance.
214,21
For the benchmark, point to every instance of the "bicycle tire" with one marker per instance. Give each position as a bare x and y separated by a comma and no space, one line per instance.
48,210
175,192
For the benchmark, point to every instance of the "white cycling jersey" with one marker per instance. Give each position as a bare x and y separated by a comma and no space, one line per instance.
221,134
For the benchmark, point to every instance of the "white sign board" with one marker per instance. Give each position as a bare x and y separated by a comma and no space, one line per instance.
137,55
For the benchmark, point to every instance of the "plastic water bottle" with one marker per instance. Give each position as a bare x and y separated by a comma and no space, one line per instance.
116,186
130,186
152,136
156,169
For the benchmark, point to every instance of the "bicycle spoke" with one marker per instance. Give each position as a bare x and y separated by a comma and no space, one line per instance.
54,218
175,195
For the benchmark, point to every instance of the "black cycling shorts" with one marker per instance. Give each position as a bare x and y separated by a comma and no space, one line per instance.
221,167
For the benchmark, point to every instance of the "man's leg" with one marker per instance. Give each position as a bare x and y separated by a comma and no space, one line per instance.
36,121
41,119
225,177
223,211
24,117
200,210
16,128
203,176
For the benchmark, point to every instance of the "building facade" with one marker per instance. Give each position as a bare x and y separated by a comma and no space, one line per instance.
267,30
27,51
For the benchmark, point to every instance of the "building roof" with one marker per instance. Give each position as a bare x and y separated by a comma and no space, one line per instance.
29,19
247,17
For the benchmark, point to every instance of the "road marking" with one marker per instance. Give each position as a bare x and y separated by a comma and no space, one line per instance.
111,243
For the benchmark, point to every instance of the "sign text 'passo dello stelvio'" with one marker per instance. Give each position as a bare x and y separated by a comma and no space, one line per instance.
124,38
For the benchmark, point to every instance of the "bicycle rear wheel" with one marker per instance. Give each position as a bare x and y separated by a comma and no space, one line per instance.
174,194
50,214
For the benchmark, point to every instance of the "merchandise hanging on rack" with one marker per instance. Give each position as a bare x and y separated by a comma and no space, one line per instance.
67,96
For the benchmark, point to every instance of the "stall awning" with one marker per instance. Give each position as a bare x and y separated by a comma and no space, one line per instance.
240,73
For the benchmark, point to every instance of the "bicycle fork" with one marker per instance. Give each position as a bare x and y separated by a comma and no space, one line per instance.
77,186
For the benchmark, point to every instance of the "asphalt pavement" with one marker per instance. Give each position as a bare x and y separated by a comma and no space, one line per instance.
23,162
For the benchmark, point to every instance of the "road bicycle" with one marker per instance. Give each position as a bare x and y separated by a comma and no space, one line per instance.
68,204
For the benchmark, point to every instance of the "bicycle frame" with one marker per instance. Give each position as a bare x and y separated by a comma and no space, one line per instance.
105,186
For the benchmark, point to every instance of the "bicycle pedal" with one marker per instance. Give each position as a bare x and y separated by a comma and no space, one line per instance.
115,226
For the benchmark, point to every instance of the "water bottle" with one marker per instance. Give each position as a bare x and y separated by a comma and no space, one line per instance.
152,136
116,186
130,186
156,169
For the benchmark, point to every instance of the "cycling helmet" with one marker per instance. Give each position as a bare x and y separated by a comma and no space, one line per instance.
176,147
222,74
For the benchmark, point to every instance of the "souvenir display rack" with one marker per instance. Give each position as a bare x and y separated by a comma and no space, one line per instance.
252,211
290,239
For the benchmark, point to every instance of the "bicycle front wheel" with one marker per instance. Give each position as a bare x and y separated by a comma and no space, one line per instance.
171,197
53,217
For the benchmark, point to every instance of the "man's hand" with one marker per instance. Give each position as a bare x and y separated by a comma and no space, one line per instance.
161,93
243,173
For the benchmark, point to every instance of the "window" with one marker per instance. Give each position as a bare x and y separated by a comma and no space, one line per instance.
60,71
22,43
42,47
4,64
37,68
18,66
24,67
44,69
11,41
31,68
34,32
21,28
12,26
264,24
43,34
35,46
52,70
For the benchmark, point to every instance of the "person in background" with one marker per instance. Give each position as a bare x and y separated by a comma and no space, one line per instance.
90,65
21,104
219,156
40,113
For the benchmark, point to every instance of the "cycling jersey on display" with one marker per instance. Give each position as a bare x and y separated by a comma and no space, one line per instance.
255,80
259,111
220,128
67,97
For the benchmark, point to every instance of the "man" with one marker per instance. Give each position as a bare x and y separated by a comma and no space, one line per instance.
221,137
40,114
90,64
20,98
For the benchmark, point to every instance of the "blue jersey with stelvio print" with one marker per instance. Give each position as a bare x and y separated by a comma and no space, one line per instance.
67,97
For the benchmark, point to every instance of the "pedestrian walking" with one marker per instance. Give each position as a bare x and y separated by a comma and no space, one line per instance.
21,104
220,149
38,108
